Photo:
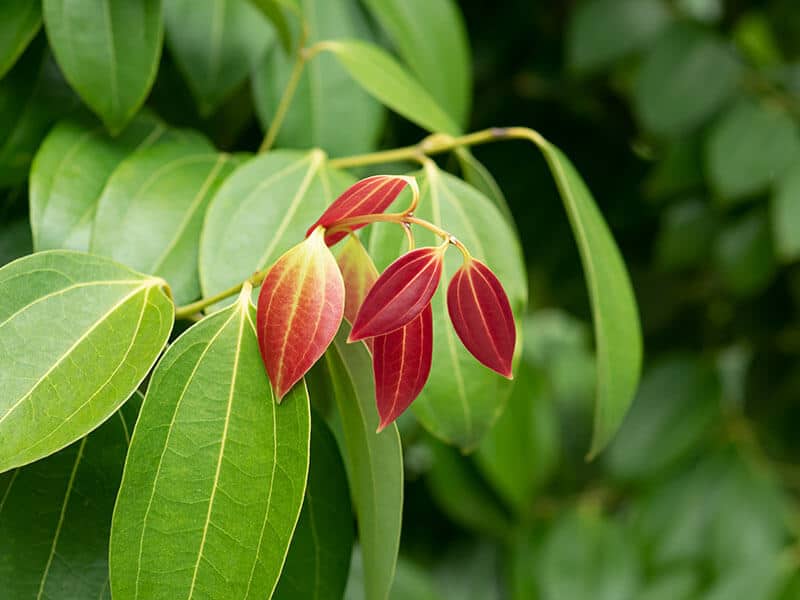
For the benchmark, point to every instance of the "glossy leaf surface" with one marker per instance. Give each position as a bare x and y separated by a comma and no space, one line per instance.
359,274
108,51
261,211
216,472
374,464
151,211
482,317
300,308
372,195
215,44
69,310
401,293
319,557
19,22
401,362
55,515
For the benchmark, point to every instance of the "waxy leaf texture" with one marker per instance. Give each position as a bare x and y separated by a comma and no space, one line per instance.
359,275
300,307
402,291
401,361
482,317
369,196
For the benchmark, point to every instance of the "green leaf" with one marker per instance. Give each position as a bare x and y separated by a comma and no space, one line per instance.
686,76
276,11
678,403
374,464
19,22
744,256
151,212
602,32
91,330
520,452
216,472
262,210
319,557
785,215
686,236
678,585
55,515
761,579
618,335
432,40
15,240
216,45
479,177
749,148
108,51
33,95
69,172
327,111
384,79
462,397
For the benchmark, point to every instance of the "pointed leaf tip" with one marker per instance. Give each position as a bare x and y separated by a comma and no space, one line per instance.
369,196
300,307
401,363
400,294
481,315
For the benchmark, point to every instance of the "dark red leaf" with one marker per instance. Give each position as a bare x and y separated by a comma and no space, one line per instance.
300,307
400,293
401,362
369,196
481,316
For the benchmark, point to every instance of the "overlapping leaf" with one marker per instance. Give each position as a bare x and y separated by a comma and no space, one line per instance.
91,330
19,22
358,272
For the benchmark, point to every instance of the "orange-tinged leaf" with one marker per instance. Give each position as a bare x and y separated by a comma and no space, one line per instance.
481,316
369,196
300,308
400,293
359,274
401,362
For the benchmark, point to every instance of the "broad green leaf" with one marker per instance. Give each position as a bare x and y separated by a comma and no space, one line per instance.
382,77
749,148
33,95
91,330
108,51
462,495
462,398
785,215
680,585
686,236
327,110
374,464
760,579
151,212
602,32
262,210
618,336
685,77
744,255
431,39
319,557
15,240
216,471
69,172
55,515
519,453
279,13
677,405
215,44
19,22
479,177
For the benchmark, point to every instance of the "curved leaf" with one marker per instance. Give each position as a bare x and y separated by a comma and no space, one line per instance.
374,464
327,110
19,22
261,211
358,273
432,40
478,176
151,211
91,330
55,515
216,472
462,397
319,557
215,44
108,51
277,13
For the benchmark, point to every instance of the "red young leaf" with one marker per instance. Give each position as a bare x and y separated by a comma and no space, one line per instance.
359,273
400,293
369,196
481,316
401,363
300,307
